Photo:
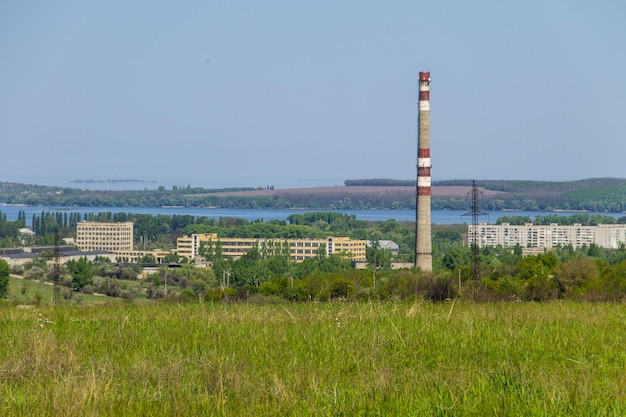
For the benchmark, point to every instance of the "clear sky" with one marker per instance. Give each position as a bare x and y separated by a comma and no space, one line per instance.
305,93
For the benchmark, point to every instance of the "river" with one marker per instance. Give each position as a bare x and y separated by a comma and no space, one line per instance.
438,216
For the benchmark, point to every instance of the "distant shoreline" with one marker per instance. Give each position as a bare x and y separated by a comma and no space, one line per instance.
92,181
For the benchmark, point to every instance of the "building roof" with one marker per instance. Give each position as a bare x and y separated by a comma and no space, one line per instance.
74,252
385,244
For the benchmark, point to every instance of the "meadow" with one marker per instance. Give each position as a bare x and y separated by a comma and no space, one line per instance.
315,359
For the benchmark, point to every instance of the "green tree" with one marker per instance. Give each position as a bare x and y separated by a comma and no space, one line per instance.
201,280
574,273
170,258
537,272
147,259
4,278
379,258
457,257
82,273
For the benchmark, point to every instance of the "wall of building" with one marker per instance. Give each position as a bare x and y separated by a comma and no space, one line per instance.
299,249
111,237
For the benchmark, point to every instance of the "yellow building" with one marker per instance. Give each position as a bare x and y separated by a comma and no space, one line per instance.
356,248
133,256
110,237
299,249
189,246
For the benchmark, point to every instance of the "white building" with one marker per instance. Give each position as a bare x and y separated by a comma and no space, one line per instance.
547,236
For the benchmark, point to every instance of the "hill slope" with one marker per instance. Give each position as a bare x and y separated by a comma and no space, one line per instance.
595,194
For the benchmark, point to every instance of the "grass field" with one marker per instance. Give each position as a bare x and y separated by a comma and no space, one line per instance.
316,359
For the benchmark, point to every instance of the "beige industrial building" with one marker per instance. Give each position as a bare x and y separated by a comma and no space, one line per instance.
548,236
117,238
299,249
114,238
111,237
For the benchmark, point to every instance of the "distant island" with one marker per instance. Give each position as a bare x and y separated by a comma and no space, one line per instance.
92,181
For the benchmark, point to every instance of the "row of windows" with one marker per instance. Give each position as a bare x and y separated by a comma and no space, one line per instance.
99,239
103,233
111,229
113,249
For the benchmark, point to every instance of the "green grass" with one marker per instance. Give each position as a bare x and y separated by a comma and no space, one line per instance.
322,359
23,291
26,292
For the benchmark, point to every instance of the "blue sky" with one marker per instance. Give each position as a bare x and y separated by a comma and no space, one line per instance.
303,93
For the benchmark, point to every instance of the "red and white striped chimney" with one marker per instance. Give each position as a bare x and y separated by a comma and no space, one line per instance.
423,240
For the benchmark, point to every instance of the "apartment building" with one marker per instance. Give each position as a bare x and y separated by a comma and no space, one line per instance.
110,237
548,236
299,249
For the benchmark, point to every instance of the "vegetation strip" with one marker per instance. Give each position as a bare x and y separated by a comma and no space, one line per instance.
395,359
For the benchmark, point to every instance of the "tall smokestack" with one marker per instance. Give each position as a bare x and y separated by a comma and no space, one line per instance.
423,240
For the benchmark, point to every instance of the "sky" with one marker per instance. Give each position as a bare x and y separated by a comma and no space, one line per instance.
310,93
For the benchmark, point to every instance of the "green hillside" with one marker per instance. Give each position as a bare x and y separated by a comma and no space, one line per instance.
594,194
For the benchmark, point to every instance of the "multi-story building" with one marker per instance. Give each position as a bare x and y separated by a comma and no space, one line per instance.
110,237
114,238
298,249
548,236
189,246
342,244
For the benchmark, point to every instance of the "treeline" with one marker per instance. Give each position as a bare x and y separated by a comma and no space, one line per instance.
578,218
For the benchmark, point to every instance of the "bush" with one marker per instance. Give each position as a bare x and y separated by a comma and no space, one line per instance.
264,299
397,285
436,288
220,294
187,296
35,274
89,289
153,292
128,294
17,269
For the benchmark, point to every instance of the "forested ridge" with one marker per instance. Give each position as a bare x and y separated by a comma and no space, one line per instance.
595,194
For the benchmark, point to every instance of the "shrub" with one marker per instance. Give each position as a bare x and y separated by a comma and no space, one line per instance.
436,288
220,294
187,296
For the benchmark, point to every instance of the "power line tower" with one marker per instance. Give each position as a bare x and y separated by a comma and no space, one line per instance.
475,213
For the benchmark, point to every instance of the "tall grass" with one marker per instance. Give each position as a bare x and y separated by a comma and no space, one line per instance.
413,359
